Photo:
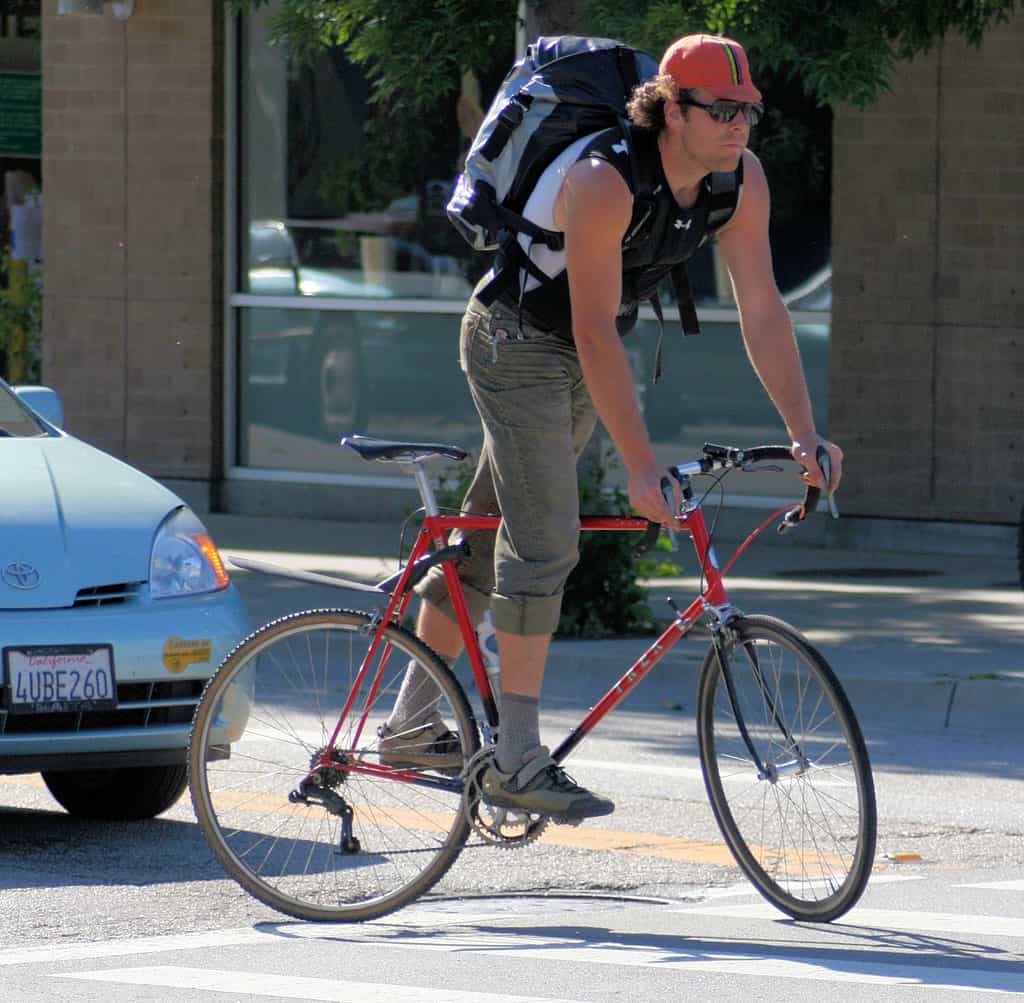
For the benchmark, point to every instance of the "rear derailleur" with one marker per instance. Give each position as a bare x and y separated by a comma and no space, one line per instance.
319,788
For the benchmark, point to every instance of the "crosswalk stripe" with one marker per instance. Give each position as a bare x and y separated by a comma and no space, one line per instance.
910,921
130,946
291,987
688,960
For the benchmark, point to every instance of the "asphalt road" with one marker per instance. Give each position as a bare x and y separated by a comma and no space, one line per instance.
624,908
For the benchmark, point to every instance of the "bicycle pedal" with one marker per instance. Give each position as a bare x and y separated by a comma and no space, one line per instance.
573,823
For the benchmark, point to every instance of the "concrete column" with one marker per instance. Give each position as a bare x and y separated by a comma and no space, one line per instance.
132,231
927,373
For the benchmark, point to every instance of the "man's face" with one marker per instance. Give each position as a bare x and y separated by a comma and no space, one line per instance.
717,146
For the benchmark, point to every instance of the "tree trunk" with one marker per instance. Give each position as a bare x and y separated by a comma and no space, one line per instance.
552,17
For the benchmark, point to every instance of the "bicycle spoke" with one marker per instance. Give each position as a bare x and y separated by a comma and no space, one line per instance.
285,814
804,830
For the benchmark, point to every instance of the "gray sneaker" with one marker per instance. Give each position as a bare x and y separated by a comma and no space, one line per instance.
432,746
542,787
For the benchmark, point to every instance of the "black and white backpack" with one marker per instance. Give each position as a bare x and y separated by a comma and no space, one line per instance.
564,88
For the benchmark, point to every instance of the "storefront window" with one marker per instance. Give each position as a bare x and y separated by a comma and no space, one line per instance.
351,284
331,207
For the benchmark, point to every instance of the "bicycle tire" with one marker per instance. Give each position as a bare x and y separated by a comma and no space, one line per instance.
804,793
274,703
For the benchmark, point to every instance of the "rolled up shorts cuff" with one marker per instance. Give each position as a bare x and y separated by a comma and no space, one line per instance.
526,615
434,590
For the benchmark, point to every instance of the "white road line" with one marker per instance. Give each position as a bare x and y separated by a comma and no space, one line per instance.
742,888
683,959
998,886
908,921
291,987
128,947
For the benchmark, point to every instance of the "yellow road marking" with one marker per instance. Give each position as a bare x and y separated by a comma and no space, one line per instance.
641,844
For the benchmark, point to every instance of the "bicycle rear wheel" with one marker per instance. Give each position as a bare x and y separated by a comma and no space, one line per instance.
350,840
803,826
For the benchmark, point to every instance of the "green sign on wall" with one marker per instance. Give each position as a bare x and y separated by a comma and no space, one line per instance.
21,114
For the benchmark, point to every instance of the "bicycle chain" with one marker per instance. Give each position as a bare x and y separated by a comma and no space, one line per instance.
495,832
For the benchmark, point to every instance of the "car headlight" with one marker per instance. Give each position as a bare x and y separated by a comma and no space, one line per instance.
184,560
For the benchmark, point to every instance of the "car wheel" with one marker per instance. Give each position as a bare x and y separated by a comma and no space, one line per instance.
340,390
127,794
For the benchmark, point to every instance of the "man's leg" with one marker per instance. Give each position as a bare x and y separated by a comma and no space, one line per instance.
529,391
523,658
417,699
436,625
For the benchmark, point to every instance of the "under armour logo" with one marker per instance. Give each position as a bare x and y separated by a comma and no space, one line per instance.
680,225
620,147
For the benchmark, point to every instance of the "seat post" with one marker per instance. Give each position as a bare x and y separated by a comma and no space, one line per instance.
426,489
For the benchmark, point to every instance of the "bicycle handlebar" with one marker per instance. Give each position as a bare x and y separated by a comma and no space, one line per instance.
718,457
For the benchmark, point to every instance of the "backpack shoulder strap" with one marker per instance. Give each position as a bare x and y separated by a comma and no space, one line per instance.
725,196
726,187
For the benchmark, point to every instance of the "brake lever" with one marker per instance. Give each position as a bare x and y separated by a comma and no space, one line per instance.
798,513
825,463
653,531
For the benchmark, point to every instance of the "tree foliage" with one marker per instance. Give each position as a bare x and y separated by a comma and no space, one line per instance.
840,50
413,53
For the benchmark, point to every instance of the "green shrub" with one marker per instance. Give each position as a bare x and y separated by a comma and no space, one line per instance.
21,311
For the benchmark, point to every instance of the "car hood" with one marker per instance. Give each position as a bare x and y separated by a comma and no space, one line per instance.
72,518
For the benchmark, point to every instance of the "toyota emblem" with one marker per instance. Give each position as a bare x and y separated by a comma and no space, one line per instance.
21,575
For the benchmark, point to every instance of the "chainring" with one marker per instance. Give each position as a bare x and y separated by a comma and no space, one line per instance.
502,827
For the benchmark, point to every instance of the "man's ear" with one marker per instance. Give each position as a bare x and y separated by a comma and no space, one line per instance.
673,113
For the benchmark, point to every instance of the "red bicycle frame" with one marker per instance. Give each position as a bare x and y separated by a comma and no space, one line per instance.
433,533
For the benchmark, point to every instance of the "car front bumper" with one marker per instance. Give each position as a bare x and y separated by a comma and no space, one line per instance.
163,653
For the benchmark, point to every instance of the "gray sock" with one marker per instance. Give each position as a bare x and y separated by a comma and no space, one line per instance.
519,731
417,699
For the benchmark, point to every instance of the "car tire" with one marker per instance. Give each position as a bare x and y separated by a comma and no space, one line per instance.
340,393
128,794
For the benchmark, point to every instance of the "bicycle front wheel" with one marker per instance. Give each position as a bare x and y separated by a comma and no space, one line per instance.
315,829
786,769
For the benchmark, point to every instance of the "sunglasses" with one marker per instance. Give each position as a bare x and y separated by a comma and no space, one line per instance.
722,111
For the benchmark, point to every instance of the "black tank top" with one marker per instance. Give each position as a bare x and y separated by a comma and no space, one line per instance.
661,233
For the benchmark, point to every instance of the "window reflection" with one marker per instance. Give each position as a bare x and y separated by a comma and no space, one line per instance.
325,216
328,208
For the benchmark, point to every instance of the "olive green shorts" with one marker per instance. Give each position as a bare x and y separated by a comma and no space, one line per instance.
537,416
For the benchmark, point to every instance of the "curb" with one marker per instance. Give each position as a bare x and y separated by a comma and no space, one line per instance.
933,704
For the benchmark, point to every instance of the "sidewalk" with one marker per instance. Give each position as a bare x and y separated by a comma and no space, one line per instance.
936,641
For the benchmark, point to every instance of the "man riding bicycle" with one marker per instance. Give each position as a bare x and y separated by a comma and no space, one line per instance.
546,360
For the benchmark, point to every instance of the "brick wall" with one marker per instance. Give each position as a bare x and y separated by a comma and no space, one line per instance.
132,168
927,370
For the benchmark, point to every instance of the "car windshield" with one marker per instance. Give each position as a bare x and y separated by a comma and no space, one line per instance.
16,420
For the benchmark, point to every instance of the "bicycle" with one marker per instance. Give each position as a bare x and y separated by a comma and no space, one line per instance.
294,798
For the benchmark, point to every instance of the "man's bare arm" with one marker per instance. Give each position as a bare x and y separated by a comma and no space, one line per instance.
765,321
594,209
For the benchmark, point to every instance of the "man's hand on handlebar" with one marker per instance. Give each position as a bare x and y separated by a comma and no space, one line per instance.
649,490
822,470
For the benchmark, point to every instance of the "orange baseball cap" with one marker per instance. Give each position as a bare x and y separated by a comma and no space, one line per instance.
716,64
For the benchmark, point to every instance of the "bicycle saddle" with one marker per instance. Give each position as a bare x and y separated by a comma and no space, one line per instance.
403,452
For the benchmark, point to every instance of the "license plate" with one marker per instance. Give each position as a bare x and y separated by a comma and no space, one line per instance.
70,677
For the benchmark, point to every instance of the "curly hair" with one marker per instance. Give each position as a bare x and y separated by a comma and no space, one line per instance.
646,107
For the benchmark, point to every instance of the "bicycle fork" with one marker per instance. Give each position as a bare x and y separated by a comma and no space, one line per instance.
772,772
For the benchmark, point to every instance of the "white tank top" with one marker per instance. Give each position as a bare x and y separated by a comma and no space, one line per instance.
540,209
